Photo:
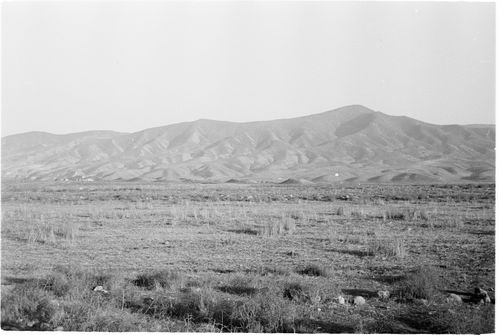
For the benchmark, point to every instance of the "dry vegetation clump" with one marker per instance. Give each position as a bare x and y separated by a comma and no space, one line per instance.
275,261
422,283
299,292
405,214
264,313
156,279
464,319
273,270
313,270
44,231
239,285
67,299
394,247
278,226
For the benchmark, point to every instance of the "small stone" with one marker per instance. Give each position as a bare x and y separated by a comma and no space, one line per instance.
100,289
59,329
422,301
358,301
453,298
341,300
384,295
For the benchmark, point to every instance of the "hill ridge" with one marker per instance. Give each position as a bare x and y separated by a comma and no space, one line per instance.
351,143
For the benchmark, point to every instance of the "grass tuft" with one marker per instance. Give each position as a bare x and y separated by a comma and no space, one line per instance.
295,291
156,279
388,248
313,270
420,284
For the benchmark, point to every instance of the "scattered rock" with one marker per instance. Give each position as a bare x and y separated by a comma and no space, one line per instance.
100,289
341,300
384,295
59,329
453,298
358,301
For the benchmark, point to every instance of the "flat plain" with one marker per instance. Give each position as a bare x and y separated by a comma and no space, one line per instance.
130,256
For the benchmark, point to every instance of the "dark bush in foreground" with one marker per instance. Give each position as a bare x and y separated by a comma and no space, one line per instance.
161,278
421,284
294,291
313,270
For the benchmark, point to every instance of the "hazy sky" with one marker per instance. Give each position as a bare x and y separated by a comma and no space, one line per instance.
126,66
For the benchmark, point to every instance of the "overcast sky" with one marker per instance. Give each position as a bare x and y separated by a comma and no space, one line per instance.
126,66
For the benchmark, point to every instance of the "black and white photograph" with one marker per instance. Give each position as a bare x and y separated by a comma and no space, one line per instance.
248,166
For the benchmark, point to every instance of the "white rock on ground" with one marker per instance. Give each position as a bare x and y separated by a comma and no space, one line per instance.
358,301
453,298
100,289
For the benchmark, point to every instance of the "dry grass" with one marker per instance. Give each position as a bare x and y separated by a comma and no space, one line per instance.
394,247
422,283
45,232
258,258
278,226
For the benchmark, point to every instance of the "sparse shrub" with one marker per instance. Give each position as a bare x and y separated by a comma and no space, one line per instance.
359,214
389,248
43,231
296,215
420,284
278,227
394,214
58,283
405,214
453,222
313,270
110,320
22,303
240,285
45,311
295,291
264,313
352,238
274,270
422,215
156,279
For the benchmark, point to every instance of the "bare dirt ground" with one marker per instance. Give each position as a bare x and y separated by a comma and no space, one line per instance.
221,256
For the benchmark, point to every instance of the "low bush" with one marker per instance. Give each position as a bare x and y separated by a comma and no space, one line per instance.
264,313
156,279
294,291
239,285
420,284
313,270
278,226
388,248
395,214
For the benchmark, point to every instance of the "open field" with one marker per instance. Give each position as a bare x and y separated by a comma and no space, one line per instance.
258,258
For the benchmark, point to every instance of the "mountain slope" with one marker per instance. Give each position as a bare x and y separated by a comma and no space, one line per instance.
352,143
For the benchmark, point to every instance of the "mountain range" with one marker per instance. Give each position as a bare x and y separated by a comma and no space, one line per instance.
348,144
